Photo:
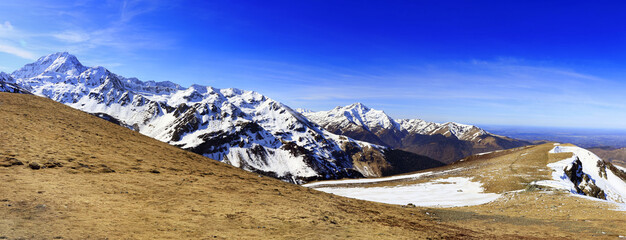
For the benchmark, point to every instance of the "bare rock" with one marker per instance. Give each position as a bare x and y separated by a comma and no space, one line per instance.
34,166
10,161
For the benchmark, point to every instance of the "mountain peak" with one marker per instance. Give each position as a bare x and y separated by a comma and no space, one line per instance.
58,59
358,105
303,110
60,62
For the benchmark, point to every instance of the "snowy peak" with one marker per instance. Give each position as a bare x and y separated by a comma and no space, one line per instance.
61,62
357,106
446,142
303,110
357,114
460,131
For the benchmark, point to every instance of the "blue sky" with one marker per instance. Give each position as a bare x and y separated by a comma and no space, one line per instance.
531,63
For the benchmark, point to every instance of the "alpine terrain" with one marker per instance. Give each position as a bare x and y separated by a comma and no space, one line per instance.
447,142
241,128
561,185
66,174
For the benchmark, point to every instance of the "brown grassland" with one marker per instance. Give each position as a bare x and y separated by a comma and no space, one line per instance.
101,181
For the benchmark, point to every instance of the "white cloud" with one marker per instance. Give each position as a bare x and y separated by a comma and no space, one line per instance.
72,36
17,52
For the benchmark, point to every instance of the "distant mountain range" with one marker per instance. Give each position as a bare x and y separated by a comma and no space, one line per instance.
587,138
242,128
446,142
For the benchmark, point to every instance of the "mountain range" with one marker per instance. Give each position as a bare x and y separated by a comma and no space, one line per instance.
446,142
241,128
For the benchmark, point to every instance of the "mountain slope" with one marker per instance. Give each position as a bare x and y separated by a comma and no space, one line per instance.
445,142
8,84
97,180
242,128
548,189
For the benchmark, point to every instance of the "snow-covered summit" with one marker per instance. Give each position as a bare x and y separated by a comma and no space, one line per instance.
61,62
446,142
359,115
354,115
460,131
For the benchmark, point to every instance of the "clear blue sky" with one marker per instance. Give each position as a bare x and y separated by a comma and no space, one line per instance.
536,63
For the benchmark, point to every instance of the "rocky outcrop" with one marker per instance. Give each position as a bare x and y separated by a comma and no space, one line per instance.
583,183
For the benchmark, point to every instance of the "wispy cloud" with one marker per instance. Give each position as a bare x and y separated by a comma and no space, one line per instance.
17,51
8,43
72,36
77,27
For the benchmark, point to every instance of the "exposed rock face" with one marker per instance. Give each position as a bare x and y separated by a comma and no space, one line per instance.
445,142
242,128
582,181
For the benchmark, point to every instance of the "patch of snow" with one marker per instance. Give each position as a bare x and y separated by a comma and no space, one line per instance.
378,180
483,153
449,192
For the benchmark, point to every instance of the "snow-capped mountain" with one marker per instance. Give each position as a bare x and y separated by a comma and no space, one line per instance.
359,122
242,128
446,142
